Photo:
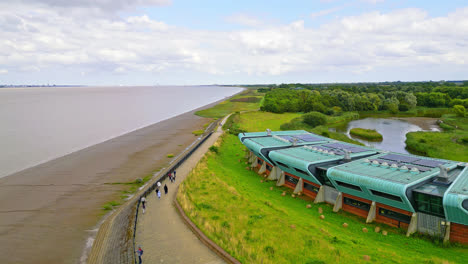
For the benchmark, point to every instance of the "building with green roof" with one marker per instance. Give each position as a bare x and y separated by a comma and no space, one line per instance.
417,193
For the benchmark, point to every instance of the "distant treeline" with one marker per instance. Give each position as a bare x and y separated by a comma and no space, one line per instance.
332,98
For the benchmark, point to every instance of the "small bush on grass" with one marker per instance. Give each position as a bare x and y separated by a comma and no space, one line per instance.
315,119
214,149
198,132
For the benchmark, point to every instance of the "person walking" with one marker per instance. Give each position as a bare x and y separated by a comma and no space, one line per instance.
158,193
143,203
165,189
139,253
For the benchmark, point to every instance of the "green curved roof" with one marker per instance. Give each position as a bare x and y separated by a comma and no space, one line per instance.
382,178
303,157
454,197
255,142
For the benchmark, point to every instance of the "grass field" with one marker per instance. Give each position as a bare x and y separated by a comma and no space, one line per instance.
259,121
235,104
239,212
450,144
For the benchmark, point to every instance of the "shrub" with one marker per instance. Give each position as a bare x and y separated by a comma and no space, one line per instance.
369,134
170,155
459,110
315,119
463,140
214,149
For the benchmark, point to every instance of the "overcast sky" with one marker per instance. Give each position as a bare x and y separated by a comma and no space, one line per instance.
148,42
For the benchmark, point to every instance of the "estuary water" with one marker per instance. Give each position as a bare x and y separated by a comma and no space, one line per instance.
40,124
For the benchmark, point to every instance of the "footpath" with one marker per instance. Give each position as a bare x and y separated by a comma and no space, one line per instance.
161,232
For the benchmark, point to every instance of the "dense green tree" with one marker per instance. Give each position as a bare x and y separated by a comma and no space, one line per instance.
315,119
459,110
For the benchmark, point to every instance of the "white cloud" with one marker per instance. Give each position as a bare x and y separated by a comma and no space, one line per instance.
107,5
245,20
38,38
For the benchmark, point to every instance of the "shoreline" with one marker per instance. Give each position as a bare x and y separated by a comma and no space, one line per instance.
49,203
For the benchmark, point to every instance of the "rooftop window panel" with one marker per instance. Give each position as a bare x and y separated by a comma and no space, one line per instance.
399,158
341,146
386,195
301,171
282,164
308,138
349,186
429,163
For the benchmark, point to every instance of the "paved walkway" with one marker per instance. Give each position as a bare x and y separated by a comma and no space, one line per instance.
162,233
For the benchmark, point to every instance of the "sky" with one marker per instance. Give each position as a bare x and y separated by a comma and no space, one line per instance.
191,42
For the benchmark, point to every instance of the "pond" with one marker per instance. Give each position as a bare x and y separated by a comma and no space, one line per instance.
393,132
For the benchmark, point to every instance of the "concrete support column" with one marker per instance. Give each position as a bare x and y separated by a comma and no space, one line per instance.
254,162
249,155
252,158
372,213
299,186
262,168
320,198
413,226
275,174
447,232
280,181
338,202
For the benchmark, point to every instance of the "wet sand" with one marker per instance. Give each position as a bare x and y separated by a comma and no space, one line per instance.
48,212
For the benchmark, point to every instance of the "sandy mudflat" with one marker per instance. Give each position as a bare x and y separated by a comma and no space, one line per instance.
426,123
47,212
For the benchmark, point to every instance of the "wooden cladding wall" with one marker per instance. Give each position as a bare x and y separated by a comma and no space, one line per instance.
458,233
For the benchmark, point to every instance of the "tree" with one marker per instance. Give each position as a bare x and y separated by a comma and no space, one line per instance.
459,110
315,119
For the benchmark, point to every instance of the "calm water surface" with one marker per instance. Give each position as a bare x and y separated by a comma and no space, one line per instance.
393,132
40,124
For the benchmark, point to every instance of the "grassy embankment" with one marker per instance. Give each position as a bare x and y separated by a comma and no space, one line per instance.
260,121
248,100
252,221
367,134
451,144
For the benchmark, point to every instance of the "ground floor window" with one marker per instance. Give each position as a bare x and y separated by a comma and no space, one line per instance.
429,204
311,187
260,161
356,203
291,179
395,215
268,167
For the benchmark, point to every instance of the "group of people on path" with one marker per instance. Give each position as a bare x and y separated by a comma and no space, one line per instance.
172,177
158,192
